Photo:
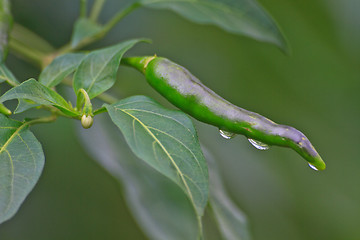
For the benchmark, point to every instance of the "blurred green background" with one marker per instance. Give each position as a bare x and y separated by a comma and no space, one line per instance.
316,90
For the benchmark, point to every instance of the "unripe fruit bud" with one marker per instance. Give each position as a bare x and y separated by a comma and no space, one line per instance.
86,121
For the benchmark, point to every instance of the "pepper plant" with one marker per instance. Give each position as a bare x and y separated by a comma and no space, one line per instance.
169,167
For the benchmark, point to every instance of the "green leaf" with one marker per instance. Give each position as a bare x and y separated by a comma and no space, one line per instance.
24,105
84,28
21,163
243,17
35,91
167,141
159,206
232,222
6,75
97,71
60,68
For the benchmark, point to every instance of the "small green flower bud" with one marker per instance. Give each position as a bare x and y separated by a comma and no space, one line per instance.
86,121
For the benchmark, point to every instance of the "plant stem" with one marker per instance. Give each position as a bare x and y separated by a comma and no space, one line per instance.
48,119
36,54
56,111
120,15
51,118
83,6
30,39
105,97
28,54
96,9
106,28
29,46
200,234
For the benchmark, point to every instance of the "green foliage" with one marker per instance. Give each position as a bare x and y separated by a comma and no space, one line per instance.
97,71
59,68
167,141
7,76
242,17
24,105
166,185
21,163
35,91
232,221
84,28
154,200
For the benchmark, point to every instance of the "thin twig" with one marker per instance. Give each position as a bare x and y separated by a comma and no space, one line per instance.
96,9
106,28
83,7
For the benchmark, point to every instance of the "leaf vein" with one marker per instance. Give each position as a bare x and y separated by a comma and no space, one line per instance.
167,153
181,143
155,113
11,183
31,152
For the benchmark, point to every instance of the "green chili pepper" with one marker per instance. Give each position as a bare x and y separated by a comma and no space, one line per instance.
186,92
5,26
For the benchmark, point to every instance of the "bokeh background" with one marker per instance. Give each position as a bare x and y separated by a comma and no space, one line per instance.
315,89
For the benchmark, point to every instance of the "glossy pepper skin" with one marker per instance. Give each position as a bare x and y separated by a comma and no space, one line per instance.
187,93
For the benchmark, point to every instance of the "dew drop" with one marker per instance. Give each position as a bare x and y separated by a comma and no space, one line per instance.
227,135
258,145
313,167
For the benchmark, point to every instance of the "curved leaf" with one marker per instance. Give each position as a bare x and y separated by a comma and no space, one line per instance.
232,222
97,71
24,105
167,141
159,206
35,91
58,69
244,17
21,163
6,75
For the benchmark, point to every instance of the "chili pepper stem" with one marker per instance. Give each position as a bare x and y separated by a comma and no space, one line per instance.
140,63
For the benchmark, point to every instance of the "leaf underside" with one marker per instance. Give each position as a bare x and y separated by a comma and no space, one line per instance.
61,67
21,163
243,17
231,221
40,94
159,206
167,141
24,105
